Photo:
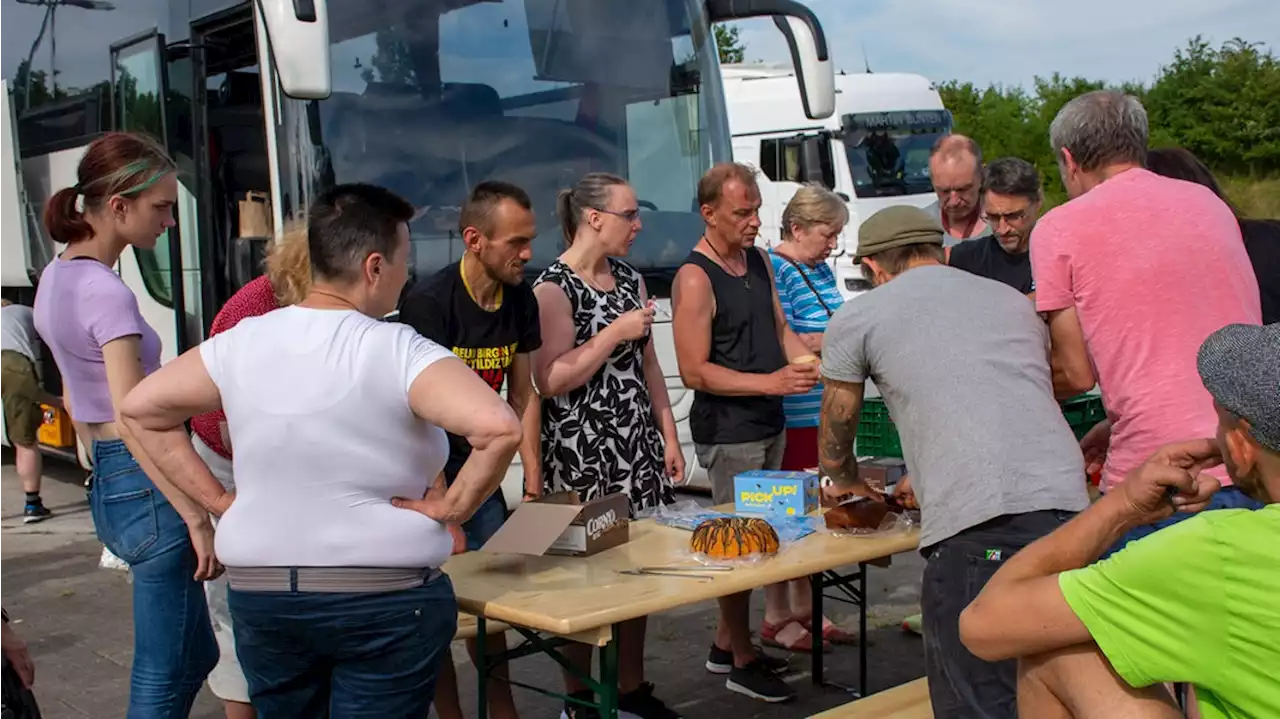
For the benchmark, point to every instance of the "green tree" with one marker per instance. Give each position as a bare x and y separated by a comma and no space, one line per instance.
729,43
390,62
1222,104
40,91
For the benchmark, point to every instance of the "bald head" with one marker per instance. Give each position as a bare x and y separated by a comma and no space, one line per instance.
955,165
956,147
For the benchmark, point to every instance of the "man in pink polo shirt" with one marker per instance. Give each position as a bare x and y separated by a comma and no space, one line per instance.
1133,274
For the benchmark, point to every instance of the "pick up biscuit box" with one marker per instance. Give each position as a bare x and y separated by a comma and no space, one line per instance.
559,524
765,491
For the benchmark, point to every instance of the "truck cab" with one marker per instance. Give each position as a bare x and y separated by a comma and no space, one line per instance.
873,151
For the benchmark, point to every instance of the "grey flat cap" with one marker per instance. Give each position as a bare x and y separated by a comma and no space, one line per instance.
1240,366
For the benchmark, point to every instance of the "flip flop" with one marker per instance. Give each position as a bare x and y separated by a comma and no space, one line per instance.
791,636
832,633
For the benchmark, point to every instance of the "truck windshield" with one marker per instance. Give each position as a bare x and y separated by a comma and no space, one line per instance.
889,151
431,97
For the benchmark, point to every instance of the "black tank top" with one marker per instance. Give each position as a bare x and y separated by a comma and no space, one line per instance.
744,337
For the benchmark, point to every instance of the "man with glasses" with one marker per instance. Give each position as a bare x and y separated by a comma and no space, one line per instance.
955,165
1011,201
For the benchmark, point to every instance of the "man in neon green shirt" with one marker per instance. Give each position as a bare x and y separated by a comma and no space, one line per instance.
1195,602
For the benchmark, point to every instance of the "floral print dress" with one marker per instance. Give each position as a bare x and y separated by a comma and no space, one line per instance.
601,438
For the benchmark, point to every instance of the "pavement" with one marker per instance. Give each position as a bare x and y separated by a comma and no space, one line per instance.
76,619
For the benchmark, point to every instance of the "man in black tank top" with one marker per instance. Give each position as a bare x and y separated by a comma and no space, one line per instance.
740,358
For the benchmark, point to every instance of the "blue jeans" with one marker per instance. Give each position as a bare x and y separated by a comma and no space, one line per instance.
1226,498
344,655
173,644
486,521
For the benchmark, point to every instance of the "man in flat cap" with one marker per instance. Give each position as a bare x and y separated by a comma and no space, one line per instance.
1195,603
963,365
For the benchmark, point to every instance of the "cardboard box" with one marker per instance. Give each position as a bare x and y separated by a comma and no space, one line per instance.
881,472
765,491
559,524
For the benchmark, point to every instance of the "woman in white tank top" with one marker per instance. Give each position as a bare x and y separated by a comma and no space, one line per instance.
332,545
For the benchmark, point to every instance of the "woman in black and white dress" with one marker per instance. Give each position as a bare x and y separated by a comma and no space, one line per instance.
607,425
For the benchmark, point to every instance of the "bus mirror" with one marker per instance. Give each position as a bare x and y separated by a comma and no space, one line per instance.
812,60
299,34
808,43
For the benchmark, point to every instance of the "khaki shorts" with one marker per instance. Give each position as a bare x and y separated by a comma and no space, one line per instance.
226,681
21,395
723,462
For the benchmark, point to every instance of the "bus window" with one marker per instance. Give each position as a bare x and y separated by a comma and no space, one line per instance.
138,104
431,99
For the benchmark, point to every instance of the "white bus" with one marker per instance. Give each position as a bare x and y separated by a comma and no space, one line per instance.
873,150
425,97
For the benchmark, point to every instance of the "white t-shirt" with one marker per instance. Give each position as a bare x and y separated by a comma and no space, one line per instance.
318,413
18,331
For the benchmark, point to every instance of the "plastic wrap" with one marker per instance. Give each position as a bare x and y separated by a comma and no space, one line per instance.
896,520
687,515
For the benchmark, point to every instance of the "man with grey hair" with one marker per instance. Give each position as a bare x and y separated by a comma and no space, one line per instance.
962,364
1145,267
1193,604
1011,200
955,167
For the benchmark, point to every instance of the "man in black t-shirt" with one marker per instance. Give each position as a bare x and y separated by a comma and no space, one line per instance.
483,310
1011,200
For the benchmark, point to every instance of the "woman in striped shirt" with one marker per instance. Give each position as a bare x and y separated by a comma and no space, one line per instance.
811,224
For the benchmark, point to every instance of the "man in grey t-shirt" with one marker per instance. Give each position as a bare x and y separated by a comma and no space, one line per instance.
963,365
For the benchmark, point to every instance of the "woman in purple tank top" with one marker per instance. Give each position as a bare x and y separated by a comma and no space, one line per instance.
126,190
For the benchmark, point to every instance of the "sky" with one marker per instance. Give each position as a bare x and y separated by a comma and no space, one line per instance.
1010,42
981,41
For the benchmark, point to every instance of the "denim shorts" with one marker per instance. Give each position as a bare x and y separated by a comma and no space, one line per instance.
314,654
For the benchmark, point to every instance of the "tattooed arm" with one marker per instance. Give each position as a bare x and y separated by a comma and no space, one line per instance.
837,429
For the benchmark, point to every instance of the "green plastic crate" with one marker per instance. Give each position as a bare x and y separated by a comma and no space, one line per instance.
1083,412
878,437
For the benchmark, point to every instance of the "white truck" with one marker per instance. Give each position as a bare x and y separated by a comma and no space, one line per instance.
288,97
873,150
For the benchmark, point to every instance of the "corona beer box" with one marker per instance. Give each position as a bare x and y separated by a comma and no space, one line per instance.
559,524
764,491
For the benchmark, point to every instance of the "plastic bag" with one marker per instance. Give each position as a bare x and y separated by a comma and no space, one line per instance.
895,520
688,515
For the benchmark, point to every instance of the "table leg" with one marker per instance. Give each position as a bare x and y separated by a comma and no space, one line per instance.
817,586
609,678
482,670
862,629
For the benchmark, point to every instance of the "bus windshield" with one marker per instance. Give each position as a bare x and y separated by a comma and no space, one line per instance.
889,151
431,97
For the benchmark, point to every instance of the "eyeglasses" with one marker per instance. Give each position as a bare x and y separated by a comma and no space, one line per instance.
994,218
628,215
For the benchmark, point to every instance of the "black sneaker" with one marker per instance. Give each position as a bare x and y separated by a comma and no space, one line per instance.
35,513
643,704
758,682
720,661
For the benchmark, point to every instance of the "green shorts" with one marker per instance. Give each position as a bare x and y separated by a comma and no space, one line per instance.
20,390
